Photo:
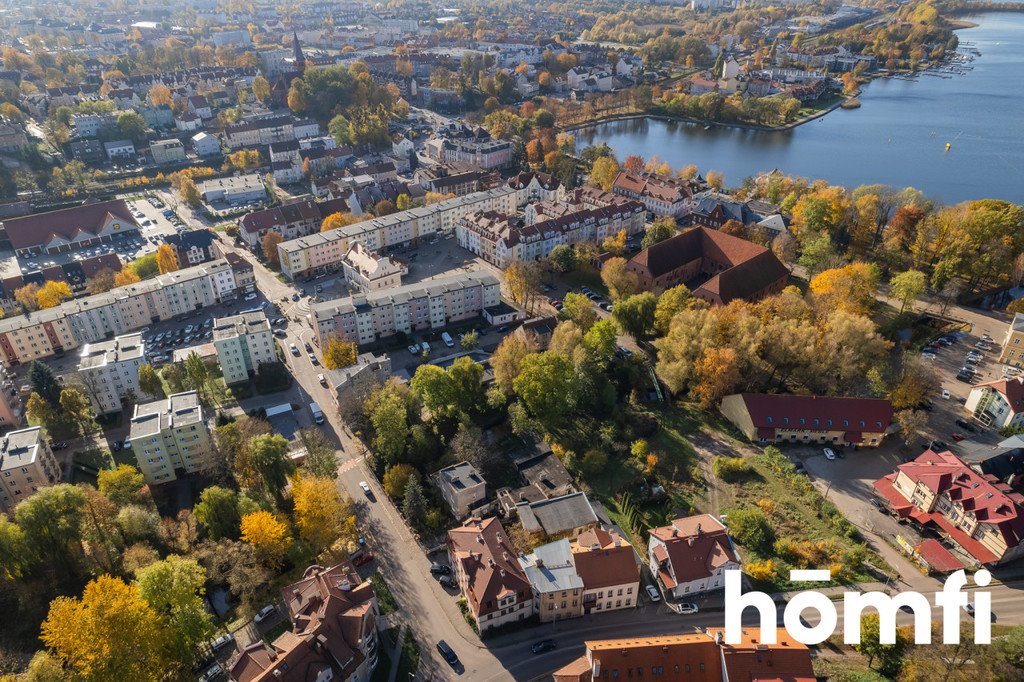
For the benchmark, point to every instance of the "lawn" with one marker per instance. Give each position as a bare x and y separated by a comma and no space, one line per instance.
410,657
385,600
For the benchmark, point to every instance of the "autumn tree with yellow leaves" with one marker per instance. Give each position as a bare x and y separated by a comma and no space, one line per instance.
851,288
166,259
53,293
339,353
321,514
268,534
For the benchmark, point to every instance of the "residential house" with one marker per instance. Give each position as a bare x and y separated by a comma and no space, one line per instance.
462,487
205,144
690,555
26,465
608,566
200,106
244,342
488,574
1012,351
167,151
980,515
662,195
809,419
192,247
532,187
997,404
334,617
727,267
369,271
108,372
119,149
301,217
564,516
89,152
557,587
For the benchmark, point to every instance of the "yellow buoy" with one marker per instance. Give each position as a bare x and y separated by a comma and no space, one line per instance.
948,146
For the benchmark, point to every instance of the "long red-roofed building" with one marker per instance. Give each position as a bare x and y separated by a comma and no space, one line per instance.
68,229
980,514
783,418
695,657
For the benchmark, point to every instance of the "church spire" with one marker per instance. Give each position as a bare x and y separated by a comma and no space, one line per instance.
300,59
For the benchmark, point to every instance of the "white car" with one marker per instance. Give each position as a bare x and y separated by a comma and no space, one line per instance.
414,349
652,592
221,641
265,613
322,379
928,356
945,393
829,455
687,608
365,486
250,297
294,349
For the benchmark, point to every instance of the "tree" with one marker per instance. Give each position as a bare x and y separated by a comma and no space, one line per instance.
579,309
717,375
635,315
110,634
268,455
851,288
414,504
508,357
320,513
336,220
321,458
160,94
469,340
751,528
261,88
132,126
396,478
43,382
189,192
523,282
51,521
545,386
218,511
669,303
125,277
634,164
53,293
907,286
716,180
658,231
390,419
14,557
268,534
174,588
911,422
563,258
269,244
75,405
121,485
603,172
39,412
296,97
889,656
101,282
27,296
615,244
620,281
166,259
149,381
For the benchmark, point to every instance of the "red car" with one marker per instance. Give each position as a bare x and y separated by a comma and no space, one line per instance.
364,558
957,437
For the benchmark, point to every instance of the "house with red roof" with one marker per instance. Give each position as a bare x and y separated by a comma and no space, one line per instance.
488,573
695,657
808,419
997,404
662,195
717,267
691,555
978,513
291,221
333,637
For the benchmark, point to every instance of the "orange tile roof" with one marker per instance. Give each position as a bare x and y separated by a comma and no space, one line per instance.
695,546
604,559
483,554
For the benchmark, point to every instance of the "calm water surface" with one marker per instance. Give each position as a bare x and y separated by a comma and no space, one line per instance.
897,137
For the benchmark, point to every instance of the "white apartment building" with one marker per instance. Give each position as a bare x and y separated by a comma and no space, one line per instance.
44,333
243,342
170,437
26,465
426,305
368,270
325,250
108,371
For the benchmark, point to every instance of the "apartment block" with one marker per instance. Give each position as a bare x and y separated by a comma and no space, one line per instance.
170,437
425,305
63,328
325,251
462,487
26,465
108,371
243,342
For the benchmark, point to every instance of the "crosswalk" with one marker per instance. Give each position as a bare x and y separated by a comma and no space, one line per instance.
350,464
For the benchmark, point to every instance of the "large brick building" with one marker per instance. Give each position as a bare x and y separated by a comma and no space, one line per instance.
806,419
718,267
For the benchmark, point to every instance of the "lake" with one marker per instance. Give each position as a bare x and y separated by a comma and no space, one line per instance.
897,137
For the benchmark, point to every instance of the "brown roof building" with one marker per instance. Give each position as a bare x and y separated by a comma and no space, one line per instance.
333,636
68,229
488,573
662,195
291,221
691,554
822,420
717,267
695,657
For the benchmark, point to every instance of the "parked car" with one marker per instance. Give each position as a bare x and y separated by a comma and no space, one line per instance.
447,652
222,641
928,356
446,581
366,488
965,425
939,445
414,349
212,673
363,559
652,592
543,646
309,348
688,608
945,393
829,454
265,613
312,358
956,436
294,349
439,569
250,297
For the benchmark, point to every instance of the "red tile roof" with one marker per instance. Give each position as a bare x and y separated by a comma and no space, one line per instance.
938,557
604,559
817,413
695,547
483,554
986,497
36,230
1011,389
